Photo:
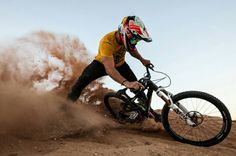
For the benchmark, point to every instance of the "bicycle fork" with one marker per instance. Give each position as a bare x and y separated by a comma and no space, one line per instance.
176,107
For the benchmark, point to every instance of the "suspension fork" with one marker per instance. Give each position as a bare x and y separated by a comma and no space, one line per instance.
167,97
176,107
179,105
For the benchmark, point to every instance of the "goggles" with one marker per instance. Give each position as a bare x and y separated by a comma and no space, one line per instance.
134,40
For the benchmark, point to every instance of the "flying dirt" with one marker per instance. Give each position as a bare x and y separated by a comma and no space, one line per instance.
36,73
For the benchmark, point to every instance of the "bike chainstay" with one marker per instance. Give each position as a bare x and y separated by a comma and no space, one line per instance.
130,107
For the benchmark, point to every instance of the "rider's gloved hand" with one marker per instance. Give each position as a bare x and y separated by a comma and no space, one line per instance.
146,62
133,85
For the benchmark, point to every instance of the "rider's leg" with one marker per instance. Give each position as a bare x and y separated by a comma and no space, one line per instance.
126,72
92,72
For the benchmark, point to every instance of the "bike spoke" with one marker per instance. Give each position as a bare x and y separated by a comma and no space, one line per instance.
211,123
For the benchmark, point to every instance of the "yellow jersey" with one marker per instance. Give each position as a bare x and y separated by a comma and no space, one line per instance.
109,47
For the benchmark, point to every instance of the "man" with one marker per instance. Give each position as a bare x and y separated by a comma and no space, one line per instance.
110,59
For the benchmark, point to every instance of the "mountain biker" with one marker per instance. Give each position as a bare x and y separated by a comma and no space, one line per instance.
110,59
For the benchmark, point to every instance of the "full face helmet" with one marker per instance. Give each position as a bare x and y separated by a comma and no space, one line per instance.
132,30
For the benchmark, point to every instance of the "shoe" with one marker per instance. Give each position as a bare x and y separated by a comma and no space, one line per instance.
157,116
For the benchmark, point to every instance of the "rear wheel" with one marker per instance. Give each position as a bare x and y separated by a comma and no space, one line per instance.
121,108
212,119
114,104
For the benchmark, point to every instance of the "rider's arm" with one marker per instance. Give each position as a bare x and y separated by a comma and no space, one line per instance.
138,56
109,65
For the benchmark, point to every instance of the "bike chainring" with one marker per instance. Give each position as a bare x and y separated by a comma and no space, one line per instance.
132,116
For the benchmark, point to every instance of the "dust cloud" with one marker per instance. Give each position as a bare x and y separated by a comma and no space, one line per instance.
36,73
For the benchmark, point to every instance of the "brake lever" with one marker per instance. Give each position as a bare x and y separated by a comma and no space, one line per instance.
150,66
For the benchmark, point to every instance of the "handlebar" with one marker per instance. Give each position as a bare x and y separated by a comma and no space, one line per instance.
149,66
148,74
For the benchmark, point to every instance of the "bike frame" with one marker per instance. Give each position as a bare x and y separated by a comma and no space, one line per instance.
163,94
137,107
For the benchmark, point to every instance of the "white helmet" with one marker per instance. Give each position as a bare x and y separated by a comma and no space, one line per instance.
132,30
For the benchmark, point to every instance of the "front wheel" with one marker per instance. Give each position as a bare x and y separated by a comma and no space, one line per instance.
212,119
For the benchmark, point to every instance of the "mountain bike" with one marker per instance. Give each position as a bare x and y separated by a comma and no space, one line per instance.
192,117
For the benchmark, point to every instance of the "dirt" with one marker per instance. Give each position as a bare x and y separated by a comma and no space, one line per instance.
84,129
116,141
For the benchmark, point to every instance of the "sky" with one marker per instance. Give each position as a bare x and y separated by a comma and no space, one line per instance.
193,41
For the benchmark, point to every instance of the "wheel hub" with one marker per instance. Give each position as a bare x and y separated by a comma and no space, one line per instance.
196,117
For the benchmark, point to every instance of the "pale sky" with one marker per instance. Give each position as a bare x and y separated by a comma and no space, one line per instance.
193,41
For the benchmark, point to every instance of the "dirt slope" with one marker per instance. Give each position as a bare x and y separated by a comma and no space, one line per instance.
88,130
107,137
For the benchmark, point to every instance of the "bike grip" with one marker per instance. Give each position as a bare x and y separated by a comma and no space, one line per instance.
133,90
151,66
